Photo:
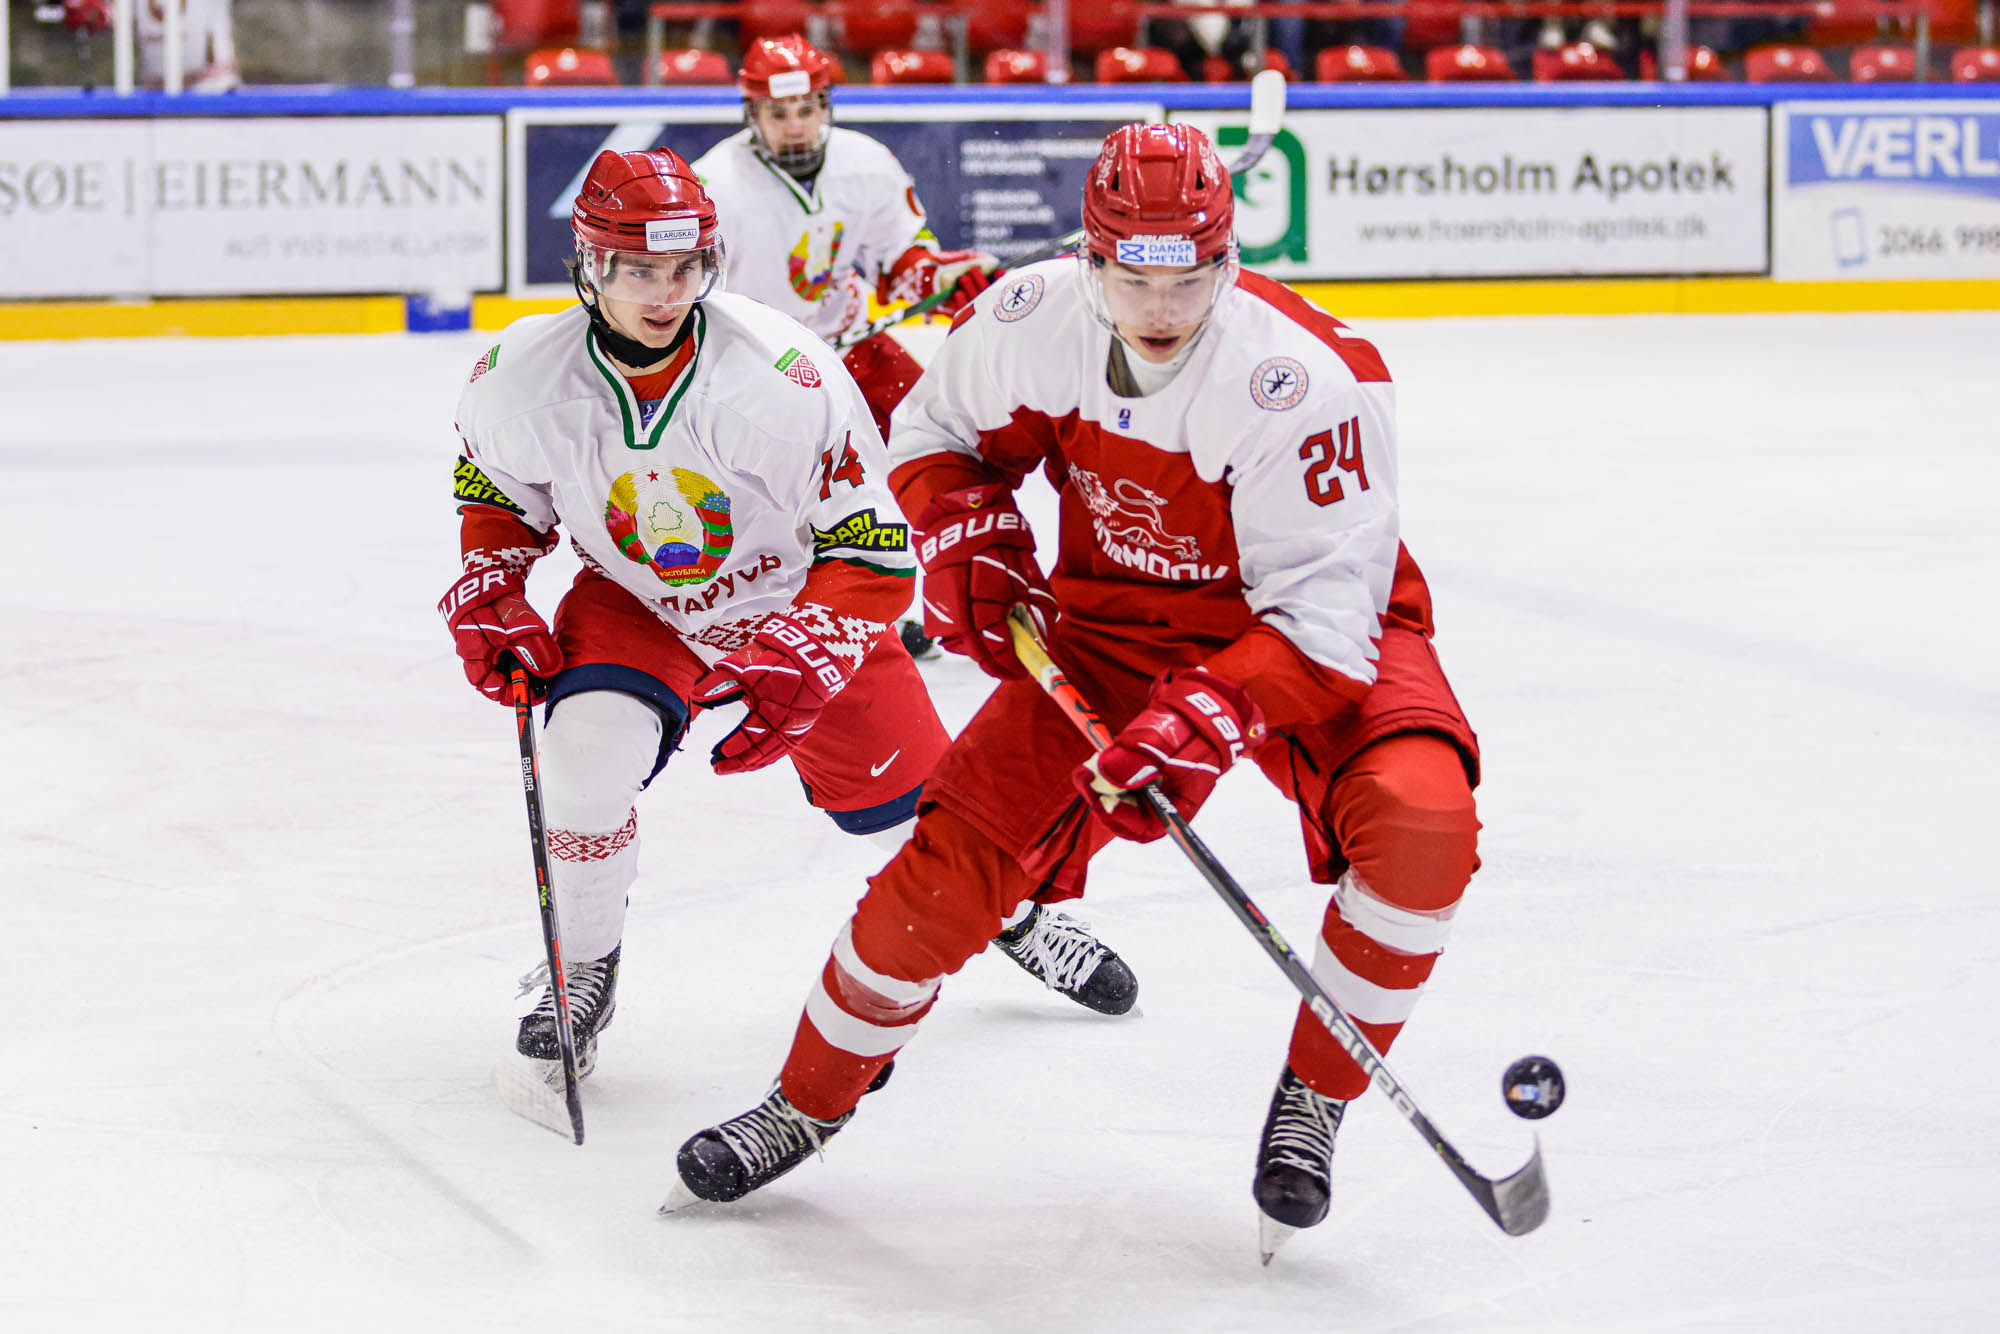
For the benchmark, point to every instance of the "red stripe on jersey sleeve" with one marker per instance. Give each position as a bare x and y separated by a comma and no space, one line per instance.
857,591
1359,354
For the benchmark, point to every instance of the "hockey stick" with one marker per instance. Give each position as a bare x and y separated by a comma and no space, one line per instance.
1267,110
520,1092
1518,1203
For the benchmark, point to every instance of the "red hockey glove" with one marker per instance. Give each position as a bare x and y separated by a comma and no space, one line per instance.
786,676
1194,726
489,617
920,273
979,560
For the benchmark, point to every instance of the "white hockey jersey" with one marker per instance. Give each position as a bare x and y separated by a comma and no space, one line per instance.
812,253
712,506
1257,487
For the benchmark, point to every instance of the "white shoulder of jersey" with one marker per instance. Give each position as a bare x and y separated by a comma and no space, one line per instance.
766,367
721,165
852,153
527,368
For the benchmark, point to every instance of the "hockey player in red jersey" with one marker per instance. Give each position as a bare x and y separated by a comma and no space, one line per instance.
723,482
1229,584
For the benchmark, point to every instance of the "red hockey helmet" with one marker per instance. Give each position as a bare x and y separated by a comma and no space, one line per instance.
1153,190
788,66
639,207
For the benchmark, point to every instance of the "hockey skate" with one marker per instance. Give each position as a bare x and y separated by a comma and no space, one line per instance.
1061,952
1294,1161
593,997
747,1152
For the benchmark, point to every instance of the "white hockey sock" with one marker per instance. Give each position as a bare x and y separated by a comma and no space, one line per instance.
596,751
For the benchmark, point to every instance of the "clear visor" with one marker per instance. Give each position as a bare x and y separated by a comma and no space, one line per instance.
669,278
1150,300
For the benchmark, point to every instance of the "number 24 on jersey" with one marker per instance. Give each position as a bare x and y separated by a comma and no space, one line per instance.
1325,457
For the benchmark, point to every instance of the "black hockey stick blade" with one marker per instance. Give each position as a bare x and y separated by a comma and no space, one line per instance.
1518,1203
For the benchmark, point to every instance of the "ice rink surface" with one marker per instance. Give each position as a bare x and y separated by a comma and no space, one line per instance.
1718,593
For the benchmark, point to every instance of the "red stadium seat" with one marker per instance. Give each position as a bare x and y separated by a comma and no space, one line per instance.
525,25
1359,64
1017,66
694,67
868,26
1577,60
570,67
772,18
1703,65
1461,64
1976,64
904,66
1844,22
1882,64
1429,23
993,25
1098,27
1279,61
1139,64
1786,64
1214,69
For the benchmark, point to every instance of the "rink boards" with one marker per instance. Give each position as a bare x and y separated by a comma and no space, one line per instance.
290,211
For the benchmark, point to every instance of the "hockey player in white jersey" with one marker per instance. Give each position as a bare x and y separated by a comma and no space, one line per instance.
1229,584
723,483
819,216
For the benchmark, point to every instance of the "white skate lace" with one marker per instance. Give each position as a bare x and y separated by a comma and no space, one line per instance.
586,987
1058,949
1302,1132
771,1132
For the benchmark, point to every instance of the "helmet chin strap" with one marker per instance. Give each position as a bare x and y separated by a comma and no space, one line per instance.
625,350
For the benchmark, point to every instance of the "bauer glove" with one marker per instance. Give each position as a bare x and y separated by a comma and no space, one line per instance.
979,560
1194,726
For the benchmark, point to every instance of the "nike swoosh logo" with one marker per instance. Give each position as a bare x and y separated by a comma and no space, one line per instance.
875,770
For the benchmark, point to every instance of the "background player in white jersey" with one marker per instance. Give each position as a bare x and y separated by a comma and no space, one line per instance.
1229,583
818,216
723,483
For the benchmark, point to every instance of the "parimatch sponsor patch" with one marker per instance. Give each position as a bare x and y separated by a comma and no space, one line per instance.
471,487
861,532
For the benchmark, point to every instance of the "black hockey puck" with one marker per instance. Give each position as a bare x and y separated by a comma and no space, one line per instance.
1533,1087
916,641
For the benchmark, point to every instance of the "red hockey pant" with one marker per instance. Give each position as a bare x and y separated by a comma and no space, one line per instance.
1400,812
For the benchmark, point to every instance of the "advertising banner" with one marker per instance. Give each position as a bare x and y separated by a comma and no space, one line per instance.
1000,179
1504,192
1887,190
250,206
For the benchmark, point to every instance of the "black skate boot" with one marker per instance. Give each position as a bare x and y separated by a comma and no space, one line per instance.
1060,950
1294,1161
593,996
747,1152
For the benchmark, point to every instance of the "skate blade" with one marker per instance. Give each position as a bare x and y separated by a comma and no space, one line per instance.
523,1087
681,1198
1271,1234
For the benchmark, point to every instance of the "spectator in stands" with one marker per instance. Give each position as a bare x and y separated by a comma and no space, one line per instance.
208,45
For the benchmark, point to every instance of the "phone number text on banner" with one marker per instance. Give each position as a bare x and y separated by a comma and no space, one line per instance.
1904,192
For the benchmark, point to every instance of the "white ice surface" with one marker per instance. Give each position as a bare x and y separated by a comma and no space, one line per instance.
1718,593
